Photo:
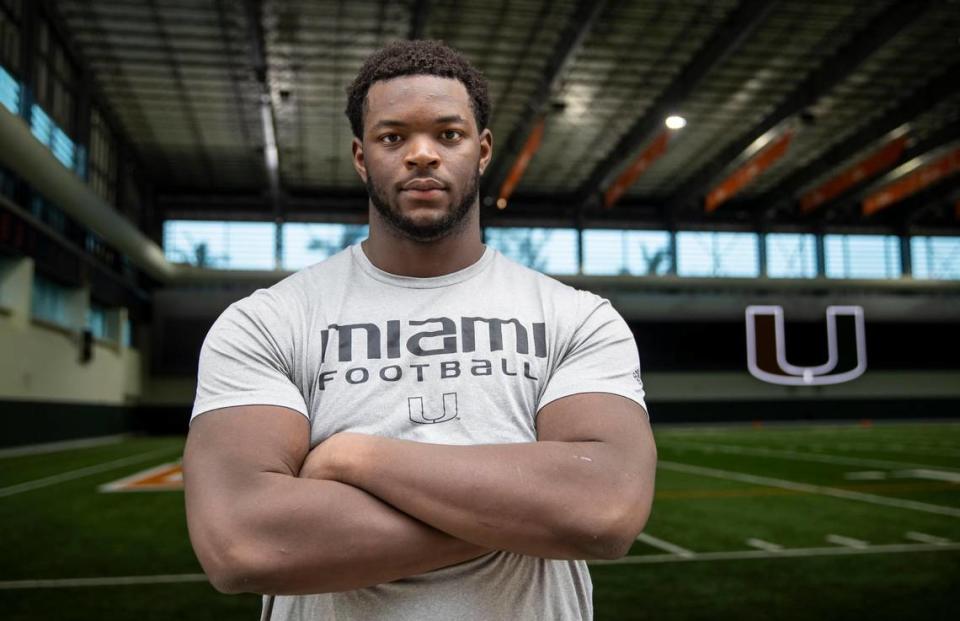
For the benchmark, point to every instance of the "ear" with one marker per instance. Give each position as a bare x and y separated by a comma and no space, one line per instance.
486,149
358,162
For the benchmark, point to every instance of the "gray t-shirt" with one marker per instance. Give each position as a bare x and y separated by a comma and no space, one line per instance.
465,358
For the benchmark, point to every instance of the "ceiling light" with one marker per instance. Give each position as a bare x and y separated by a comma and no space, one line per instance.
675,122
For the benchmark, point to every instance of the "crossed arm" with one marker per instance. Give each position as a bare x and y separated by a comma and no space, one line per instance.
366,509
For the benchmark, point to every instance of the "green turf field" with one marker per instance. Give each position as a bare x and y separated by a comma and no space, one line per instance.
780,521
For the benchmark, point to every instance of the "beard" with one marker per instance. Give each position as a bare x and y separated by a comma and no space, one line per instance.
408,228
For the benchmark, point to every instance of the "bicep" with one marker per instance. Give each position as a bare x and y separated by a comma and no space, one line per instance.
621,447
596,417
229,453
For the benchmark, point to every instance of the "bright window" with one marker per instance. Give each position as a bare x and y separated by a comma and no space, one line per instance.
552,251
640,253
49,134
862,256
222,245
791,255
9,92
305,244
712,253
935,257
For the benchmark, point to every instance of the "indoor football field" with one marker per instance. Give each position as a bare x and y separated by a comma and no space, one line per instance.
750,521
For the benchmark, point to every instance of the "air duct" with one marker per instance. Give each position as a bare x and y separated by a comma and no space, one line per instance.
22,153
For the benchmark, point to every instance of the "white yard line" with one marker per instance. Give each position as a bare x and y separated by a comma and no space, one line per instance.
666,546
760,544
56,583
744,555
925,538
896,447
56,447
887,501
709,447
849,542
933,475
79,473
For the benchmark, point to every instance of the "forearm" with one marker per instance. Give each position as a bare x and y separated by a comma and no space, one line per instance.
297,536
547,499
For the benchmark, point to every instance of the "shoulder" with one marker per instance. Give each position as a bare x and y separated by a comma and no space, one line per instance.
571,304
521,276
297,293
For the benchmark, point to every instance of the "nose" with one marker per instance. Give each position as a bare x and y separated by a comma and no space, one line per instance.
421,153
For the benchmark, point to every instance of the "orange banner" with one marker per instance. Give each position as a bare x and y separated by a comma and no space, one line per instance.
523,160
880,161
748,172
912,182
627,178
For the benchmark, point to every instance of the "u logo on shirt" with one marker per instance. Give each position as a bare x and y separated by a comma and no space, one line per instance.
423,416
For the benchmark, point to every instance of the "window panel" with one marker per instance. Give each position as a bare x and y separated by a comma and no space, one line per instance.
935,257
551,251
308,243
640,253
50,302
98,322
791,255
9,92
713,253
862,256
221,245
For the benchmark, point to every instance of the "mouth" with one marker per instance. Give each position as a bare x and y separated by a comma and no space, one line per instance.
426,194
423,189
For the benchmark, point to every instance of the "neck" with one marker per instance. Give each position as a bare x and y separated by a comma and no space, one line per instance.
393,253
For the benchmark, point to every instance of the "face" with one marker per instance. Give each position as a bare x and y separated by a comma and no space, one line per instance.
421,155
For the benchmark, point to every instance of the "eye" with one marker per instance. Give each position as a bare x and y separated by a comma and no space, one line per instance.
451,134
389,138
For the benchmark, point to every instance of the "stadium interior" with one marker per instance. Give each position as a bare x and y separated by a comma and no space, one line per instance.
689,160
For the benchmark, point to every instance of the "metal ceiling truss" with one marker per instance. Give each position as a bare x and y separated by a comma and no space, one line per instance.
726,39
833,70
847,206
569,44
783,196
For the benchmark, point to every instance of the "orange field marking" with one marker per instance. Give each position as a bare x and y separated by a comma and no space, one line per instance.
165,477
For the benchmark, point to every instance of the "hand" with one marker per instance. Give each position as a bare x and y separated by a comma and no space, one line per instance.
330,459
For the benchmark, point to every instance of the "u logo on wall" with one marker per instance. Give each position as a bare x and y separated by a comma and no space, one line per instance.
766,348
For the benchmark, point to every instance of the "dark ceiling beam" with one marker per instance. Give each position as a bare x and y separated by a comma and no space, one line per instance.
419,14
783,195
568,45
930,206
725,40
847,205
181,88
832,71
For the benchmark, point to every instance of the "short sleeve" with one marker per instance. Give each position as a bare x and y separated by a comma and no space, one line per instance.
246,359
600,356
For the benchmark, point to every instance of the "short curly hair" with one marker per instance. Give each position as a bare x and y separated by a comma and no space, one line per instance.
418,57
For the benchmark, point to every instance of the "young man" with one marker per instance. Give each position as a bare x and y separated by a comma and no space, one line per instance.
418,428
